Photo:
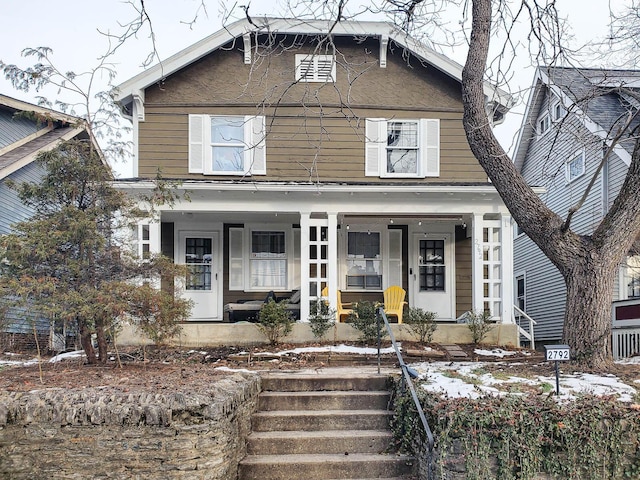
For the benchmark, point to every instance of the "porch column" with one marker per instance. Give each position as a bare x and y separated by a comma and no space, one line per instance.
477,274
332,267
506,241
304,267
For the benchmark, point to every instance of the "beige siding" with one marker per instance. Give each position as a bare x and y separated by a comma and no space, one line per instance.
311,134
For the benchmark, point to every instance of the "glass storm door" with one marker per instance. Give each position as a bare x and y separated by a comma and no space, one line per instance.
431,275
199,254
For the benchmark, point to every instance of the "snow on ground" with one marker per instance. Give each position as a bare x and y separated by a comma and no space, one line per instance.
339,349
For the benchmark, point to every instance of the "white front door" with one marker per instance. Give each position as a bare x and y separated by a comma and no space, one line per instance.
199,251
432,273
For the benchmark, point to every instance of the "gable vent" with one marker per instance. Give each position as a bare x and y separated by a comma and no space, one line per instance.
315,68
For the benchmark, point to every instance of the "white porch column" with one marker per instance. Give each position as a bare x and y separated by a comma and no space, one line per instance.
477,274
304,267
332,273
506,240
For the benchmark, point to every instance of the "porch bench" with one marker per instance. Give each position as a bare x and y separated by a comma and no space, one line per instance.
249,310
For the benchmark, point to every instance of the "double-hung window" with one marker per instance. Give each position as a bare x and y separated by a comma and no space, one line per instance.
268,261
227,145
574,167
402,148
544,123
364,261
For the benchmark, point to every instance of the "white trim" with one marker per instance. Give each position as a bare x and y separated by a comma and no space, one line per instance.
316,70
246,38
567,166
384,42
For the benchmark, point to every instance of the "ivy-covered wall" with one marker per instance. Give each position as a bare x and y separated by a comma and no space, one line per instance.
523,437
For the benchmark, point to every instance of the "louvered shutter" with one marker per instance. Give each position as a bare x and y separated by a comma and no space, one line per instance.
375,145
236,259
196,143
255,156
430,147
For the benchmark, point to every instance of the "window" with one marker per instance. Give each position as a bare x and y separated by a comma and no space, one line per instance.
268,261
227,145
574,167
557,111
315,68
364,262
544,123
432,265
633,276
402,148
198,256
520,293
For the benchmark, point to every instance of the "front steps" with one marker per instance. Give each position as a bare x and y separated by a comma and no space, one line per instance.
323,426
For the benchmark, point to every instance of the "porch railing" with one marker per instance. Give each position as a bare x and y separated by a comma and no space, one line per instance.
408,374
518,316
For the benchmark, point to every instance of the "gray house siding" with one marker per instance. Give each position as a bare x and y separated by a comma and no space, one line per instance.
545,292
13,210
15,127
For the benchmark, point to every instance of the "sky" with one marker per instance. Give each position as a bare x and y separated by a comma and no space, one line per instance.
74,30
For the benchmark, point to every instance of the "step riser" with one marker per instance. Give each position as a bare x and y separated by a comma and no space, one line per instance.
323,471
323,401
338,445
311,384
288,422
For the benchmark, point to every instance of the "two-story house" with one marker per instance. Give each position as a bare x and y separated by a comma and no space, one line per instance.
319,155
25,131
571,118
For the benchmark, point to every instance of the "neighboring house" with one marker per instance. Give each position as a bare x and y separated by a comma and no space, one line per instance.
571,116
25,131
315,161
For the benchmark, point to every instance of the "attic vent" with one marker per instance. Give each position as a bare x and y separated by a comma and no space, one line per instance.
315,68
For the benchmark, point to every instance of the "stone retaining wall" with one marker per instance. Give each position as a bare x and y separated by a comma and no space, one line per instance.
98,433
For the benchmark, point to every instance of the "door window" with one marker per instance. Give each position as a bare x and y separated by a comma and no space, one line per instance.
198,255
432,266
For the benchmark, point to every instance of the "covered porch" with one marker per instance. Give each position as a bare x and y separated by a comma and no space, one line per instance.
447,246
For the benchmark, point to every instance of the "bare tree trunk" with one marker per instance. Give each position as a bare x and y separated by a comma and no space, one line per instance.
85,341
102,341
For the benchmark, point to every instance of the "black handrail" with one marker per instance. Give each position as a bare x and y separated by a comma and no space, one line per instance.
408,374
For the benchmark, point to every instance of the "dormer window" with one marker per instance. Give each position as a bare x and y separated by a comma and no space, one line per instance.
558,111
544,123
316,68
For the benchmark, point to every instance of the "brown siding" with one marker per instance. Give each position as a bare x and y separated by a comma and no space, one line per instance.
312,135
463,272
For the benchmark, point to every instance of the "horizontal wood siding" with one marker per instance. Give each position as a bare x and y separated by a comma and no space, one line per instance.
315,132
13,210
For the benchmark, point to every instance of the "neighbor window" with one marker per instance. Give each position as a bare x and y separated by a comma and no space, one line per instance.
574,167
268,261
520,293
543,124
402,148
315,68
557,111
364,261
227,145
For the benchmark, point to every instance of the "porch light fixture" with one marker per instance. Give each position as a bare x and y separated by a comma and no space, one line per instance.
391,220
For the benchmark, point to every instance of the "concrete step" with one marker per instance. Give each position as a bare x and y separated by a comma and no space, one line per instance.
311,382
311,420
325,400
319,442
323,467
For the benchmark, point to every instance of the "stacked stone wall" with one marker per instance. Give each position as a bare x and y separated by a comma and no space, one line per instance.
94,433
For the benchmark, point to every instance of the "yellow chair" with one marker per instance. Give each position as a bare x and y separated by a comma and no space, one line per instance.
342,308
394,302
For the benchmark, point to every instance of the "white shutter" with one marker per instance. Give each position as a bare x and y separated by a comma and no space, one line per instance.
196,143
236,259
375,145
430,147
255,156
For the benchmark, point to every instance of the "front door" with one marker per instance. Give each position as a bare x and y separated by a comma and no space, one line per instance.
432,274
199,251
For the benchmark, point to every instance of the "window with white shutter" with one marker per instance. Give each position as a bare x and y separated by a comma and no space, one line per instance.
402,148
227,145
316,68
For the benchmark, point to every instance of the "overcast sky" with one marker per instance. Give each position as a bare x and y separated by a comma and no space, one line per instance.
71,28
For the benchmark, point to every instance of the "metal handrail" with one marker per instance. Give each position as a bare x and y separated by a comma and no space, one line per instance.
408,374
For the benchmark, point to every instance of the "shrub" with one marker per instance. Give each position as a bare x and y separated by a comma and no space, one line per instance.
321,317
275,321
363,318
421,324
480,325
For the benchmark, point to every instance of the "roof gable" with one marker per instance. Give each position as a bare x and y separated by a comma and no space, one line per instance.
593,95
132,90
